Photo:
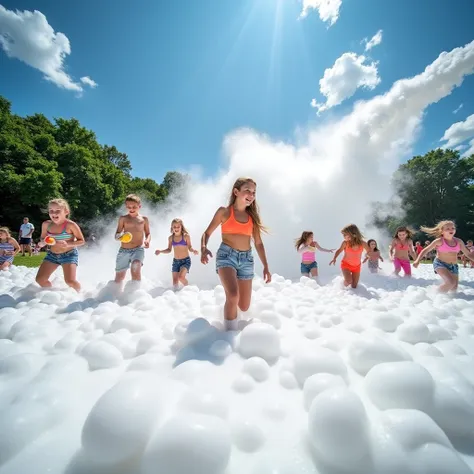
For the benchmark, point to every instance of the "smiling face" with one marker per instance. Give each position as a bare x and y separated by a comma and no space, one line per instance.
133,208
373,245
176,228
309,239
246,194
3,235
448,231
346,237
402,235
57,213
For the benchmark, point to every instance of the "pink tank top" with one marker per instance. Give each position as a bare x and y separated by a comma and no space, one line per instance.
444,247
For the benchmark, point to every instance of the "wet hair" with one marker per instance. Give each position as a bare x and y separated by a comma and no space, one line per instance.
133,198
180,222
403,228
302,240
437,230
354,232
61,203
251,210
373,240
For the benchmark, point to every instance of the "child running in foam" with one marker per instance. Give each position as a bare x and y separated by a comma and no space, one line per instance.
131,253
400,249
373,256
306,246
240,222
470,248
63,252
353,245
9,247
447,248
180,242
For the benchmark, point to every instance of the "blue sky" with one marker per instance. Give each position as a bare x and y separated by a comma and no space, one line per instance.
175,77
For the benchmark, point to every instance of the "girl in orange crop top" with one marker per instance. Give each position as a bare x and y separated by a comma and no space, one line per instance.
234,258
353,245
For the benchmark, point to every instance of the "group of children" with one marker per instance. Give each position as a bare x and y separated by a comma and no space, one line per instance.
446,246
240,224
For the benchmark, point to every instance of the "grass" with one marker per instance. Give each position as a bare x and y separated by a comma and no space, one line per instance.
27,261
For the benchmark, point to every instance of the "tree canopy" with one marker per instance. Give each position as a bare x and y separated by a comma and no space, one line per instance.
41,160
436,186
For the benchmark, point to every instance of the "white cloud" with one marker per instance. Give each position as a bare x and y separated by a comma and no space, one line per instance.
374,41
328,9
459,132
325,179
29,37
455,111
470,150
340,82
89,82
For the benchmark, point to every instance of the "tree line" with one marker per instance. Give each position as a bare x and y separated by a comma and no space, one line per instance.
41,160
436,186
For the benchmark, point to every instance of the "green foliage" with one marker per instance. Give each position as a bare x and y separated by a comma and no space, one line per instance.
430,188
41,160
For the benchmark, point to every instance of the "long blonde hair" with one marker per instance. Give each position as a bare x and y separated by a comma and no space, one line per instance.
176,220
355,233
302,240
437,230
61,203
251,210
7,231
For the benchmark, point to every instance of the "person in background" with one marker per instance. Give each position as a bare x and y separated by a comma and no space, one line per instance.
25,236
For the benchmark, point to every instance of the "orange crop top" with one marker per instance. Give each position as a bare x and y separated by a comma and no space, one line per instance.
232,226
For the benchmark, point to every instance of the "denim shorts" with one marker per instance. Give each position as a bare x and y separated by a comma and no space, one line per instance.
240,261
126,256
451,267
71,256
306,267
179,263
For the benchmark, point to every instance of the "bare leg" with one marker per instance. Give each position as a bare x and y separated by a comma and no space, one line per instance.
448,280
228,278
175,276
355,279
44,272
5,265
314,272
136,270
456,282
245,294
182,276
120,276
347,274
69,270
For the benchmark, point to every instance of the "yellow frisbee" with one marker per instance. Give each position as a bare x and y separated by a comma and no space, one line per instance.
126,238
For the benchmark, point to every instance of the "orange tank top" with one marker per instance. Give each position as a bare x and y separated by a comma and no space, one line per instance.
352,256
233,226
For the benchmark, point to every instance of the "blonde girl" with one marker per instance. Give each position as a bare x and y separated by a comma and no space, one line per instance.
353,245
9,247
180,242
240,222
306,246
447,248
400,249
63,251
373,256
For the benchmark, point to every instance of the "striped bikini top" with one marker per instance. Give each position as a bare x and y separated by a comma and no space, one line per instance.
63,235
6,246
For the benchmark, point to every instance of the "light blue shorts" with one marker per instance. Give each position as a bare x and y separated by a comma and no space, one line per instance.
126,256
240,261
451,267
72,256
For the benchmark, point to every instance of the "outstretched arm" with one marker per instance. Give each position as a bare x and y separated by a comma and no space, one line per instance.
338,252
427,249
166,250
322,249
466,251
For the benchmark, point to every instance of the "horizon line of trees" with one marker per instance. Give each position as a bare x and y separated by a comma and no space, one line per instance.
41,160
427,189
